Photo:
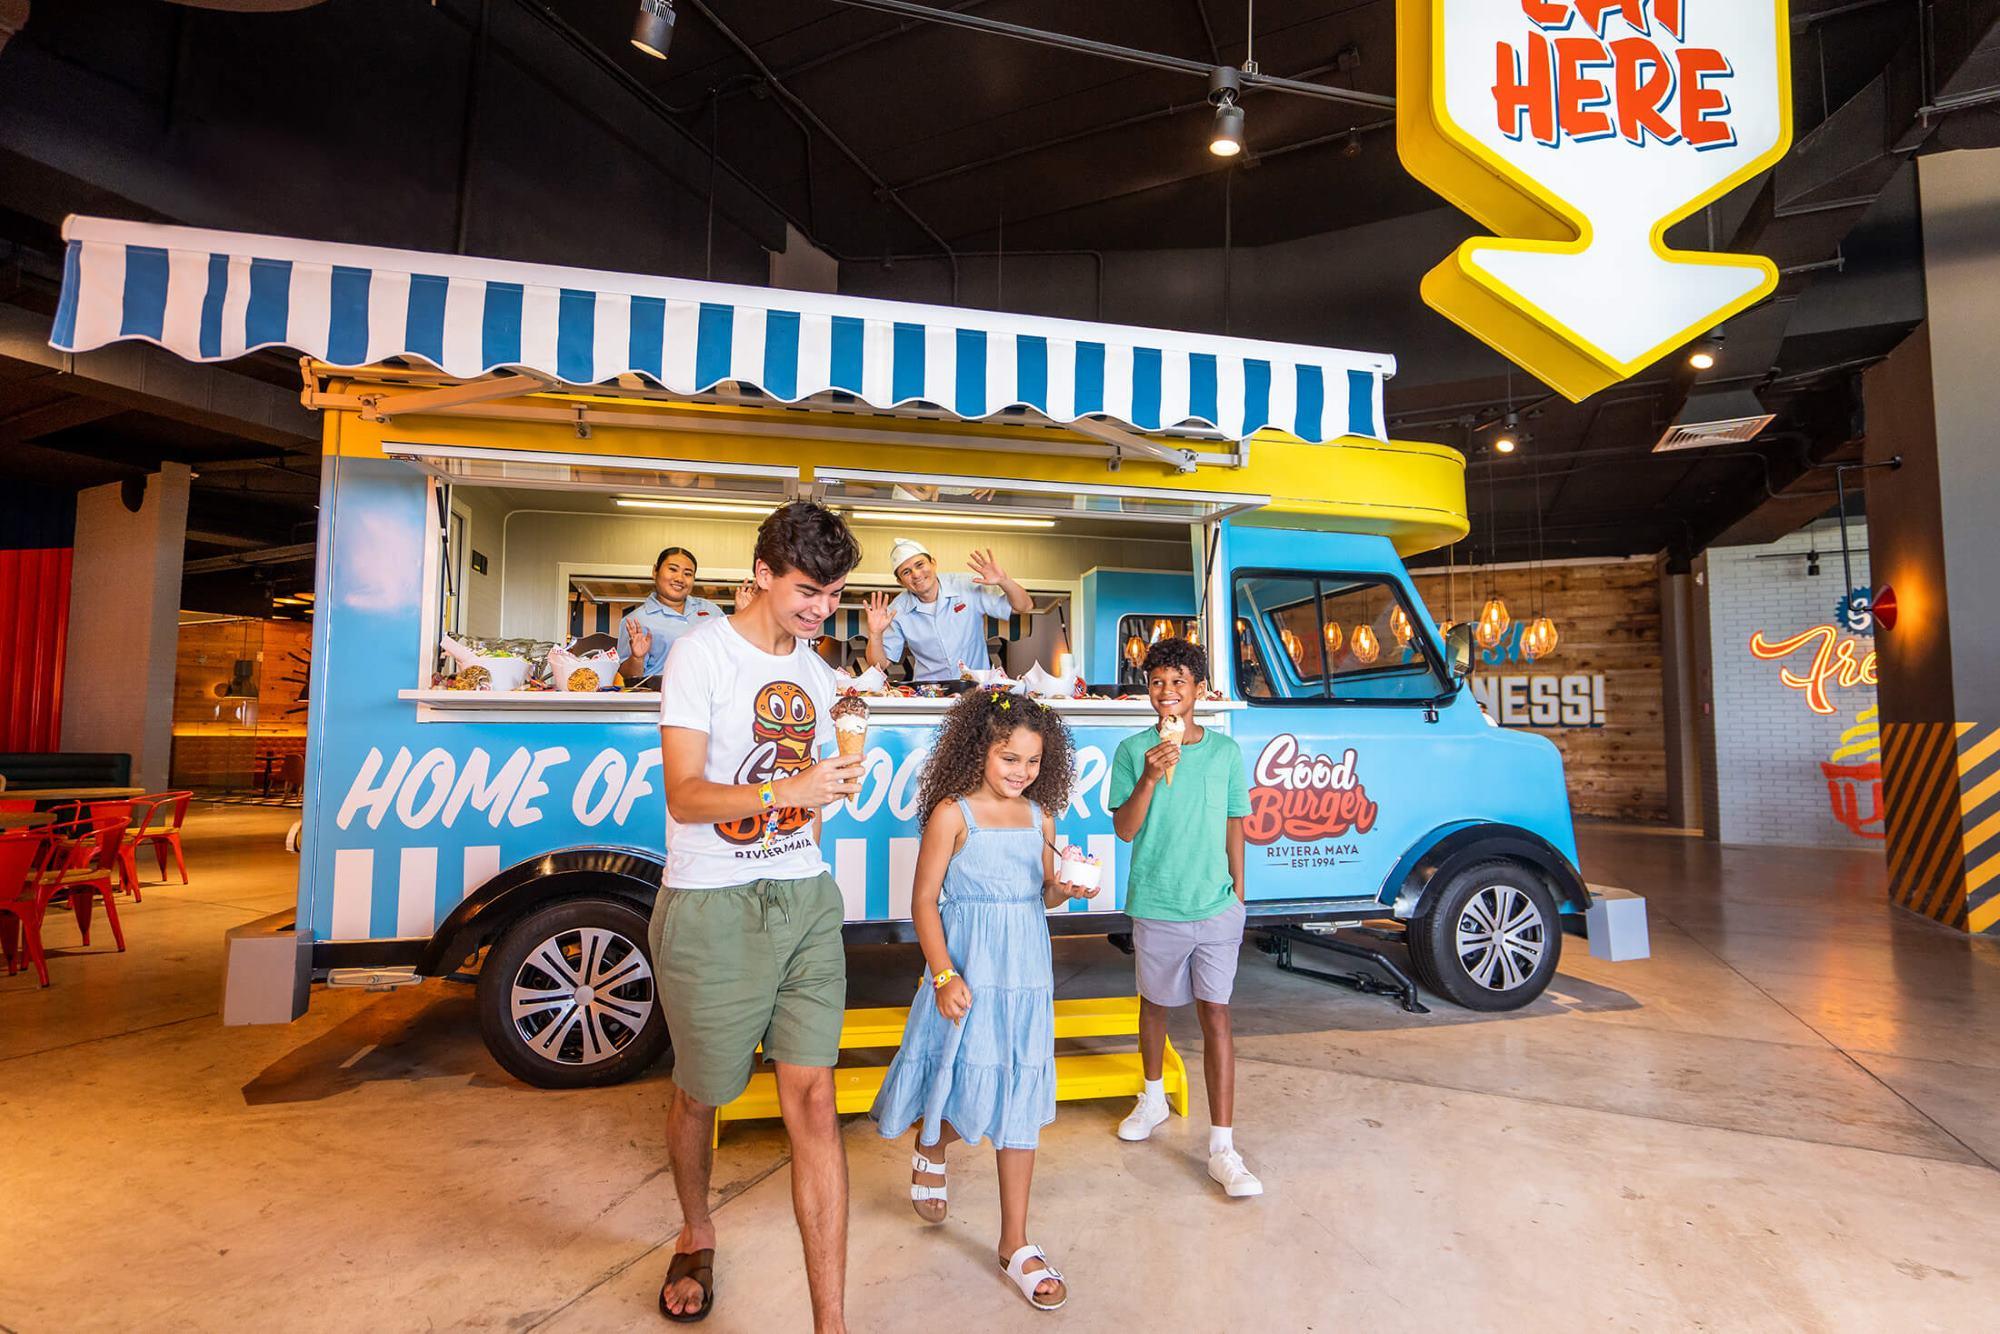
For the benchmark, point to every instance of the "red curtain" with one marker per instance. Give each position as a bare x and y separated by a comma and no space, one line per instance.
34,628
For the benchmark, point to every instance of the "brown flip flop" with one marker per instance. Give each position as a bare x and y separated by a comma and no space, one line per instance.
699,1266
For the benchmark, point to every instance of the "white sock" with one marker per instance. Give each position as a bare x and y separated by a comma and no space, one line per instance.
1220,1139
1156,1090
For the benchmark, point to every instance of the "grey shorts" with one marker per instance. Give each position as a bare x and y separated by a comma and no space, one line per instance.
1182,962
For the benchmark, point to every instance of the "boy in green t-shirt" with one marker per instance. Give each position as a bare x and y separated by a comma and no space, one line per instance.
1178,796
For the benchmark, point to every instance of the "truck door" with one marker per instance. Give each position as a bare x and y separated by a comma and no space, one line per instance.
1341,728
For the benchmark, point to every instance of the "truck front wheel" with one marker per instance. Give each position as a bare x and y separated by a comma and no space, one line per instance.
1489,938
567,997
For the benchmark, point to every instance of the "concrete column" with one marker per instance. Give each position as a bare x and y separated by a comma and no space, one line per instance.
1933,540
124,621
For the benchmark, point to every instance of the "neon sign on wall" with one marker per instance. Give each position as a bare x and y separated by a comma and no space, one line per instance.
1835,662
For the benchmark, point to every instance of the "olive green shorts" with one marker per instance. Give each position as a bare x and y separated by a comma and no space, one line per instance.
756,963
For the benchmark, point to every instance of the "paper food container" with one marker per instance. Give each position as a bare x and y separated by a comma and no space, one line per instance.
481,672
583,673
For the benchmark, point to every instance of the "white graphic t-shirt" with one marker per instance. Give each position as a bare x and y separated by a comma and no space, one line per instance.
766,716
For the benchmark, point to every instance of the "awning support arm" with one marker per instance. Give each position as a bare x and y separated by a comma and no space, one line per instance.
1180,460
507,384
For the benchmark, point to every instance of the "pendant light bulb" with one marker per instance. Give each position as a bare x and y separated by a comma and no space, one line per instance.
1332,638
1135,650
1399,626
1294,649
1539,640
1493,623
1364,646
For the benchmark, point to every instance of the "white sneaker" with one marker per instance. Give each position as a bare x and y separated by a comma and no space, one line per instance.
1145,1114
1227,1170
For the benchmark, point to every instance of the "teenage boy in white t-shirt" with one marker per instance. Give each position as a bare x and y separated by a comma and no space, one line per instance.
746,934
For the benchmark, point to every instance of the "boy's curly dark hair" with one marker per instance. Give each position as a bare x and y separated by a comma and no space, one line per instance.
979,720
806,536
1177,653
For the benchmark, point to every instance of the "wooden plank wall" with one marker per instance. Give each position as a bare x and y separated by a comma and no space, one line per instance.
1608,614
208,754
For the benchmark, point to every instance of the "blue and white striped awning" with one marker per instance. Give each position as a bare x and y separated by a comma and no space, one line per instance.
210,296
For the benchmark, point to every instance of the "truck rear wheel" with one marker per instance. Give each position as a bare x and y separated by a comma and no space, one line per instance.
567,997
1489,938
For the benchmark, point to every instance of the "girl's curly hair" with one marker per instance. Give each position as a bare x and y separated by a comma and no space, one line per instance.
979,720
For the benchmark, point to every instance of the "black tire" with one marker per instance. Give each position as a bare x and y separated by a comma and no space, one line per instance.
1466,969
615,1033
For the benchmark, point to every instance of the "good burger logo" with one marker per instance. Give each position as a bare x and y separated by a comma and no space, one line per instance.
1304,797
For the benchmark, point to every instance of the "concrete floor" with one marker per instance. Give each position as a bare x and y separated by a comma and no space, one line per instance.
1785,1120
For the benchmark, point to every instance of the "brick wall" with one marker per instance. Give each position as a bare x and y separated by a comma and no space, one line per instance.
1768,744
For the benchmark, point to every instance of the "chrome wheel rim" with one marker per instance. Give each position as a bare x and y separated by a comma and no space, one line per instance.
1501,937
582,996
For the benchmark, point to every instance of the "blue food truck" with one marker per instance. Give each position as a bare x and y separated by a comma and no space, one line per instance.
507,446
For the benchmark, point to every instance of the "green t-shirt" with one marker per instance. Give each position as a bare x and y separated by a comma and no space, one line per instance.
1180,860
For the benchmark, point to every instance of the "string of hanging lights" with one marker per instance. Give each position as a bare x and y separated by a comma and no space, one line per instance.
1494,621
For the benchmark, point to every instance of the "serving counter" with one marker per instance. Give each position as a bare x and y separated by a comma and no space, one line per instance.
643,706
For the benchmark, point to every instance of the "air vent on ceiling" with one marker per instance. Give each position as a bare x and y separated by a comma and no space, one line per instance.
1719,417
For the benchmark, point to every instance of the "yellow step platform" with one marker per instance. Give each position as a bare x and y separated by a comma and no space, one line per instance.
1079,1076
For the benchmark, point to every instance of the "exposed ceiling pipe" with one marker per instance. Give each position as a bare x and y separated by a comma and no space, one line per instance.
1129,55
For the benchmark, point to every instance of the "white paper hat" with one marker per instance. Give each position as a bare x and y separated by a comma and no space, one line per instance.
906,550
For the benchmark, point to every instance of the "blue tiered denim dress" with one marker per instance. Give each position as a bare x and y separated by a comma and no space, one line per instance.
992,1076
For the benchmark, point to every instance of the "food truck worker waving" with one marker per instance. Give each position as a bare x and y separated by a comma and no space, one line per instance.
940,618
669,611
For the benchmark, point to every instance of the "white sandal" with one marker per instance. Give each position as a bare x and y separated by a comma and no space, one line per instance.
1027,1282
922,1194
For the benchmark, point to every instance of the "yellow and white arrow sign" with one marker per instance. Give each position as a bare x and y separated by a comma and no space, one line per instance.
1580,131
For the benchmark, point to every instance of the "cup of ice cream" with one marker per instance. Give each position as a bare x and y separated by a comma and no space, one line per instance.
1080,869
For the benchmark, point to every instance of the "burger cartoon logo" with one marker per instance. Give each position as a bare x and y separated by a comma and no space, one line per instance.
783,730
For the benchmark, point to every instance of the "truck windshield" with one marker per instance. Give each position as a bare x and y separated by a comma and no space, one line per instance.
1330,638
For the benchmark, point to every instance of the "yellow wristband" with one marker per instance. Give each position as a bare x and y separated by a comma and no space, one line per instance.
767,794
940,979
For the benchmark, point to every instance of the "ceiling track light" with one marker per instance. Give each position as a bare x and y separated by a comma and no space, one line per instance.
1704,355
1509,438
653,27
1225,87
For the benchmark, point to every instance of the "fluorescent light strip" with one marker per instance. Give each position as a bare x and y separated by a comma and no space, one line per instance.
691,507
953,520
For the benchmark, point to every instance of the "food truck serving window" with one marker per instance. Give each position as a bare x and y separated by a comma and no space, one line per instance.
1332,638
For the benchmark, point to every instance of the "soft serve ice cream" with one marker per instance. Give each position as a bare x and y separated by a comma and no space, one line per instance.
850,724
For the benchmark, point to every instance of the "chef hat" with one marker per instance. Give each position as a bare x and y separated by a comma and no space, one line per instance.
906,550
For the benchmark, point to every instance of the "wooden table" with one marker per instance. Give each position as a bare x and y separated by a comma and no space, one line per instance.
70,793
24,819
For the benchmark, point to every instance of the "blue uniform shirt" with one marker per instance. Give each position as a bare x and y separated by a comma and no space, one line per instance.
665,625
944,633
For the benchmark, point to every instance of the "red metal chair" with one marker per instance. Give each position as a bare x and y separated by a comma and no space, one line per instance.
176,804
21,908
138,815
84,867
35,868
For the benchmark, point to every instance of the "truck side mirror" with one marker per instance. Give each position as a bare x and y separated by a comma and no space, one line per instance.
1458,651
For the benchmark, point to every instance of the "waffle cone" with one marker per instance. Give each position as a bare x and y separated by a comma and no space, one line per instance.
852,743
1168,776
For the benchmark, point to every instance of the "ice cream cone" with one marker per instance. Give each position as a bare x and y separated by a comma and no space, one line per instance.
850,725
1172,729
